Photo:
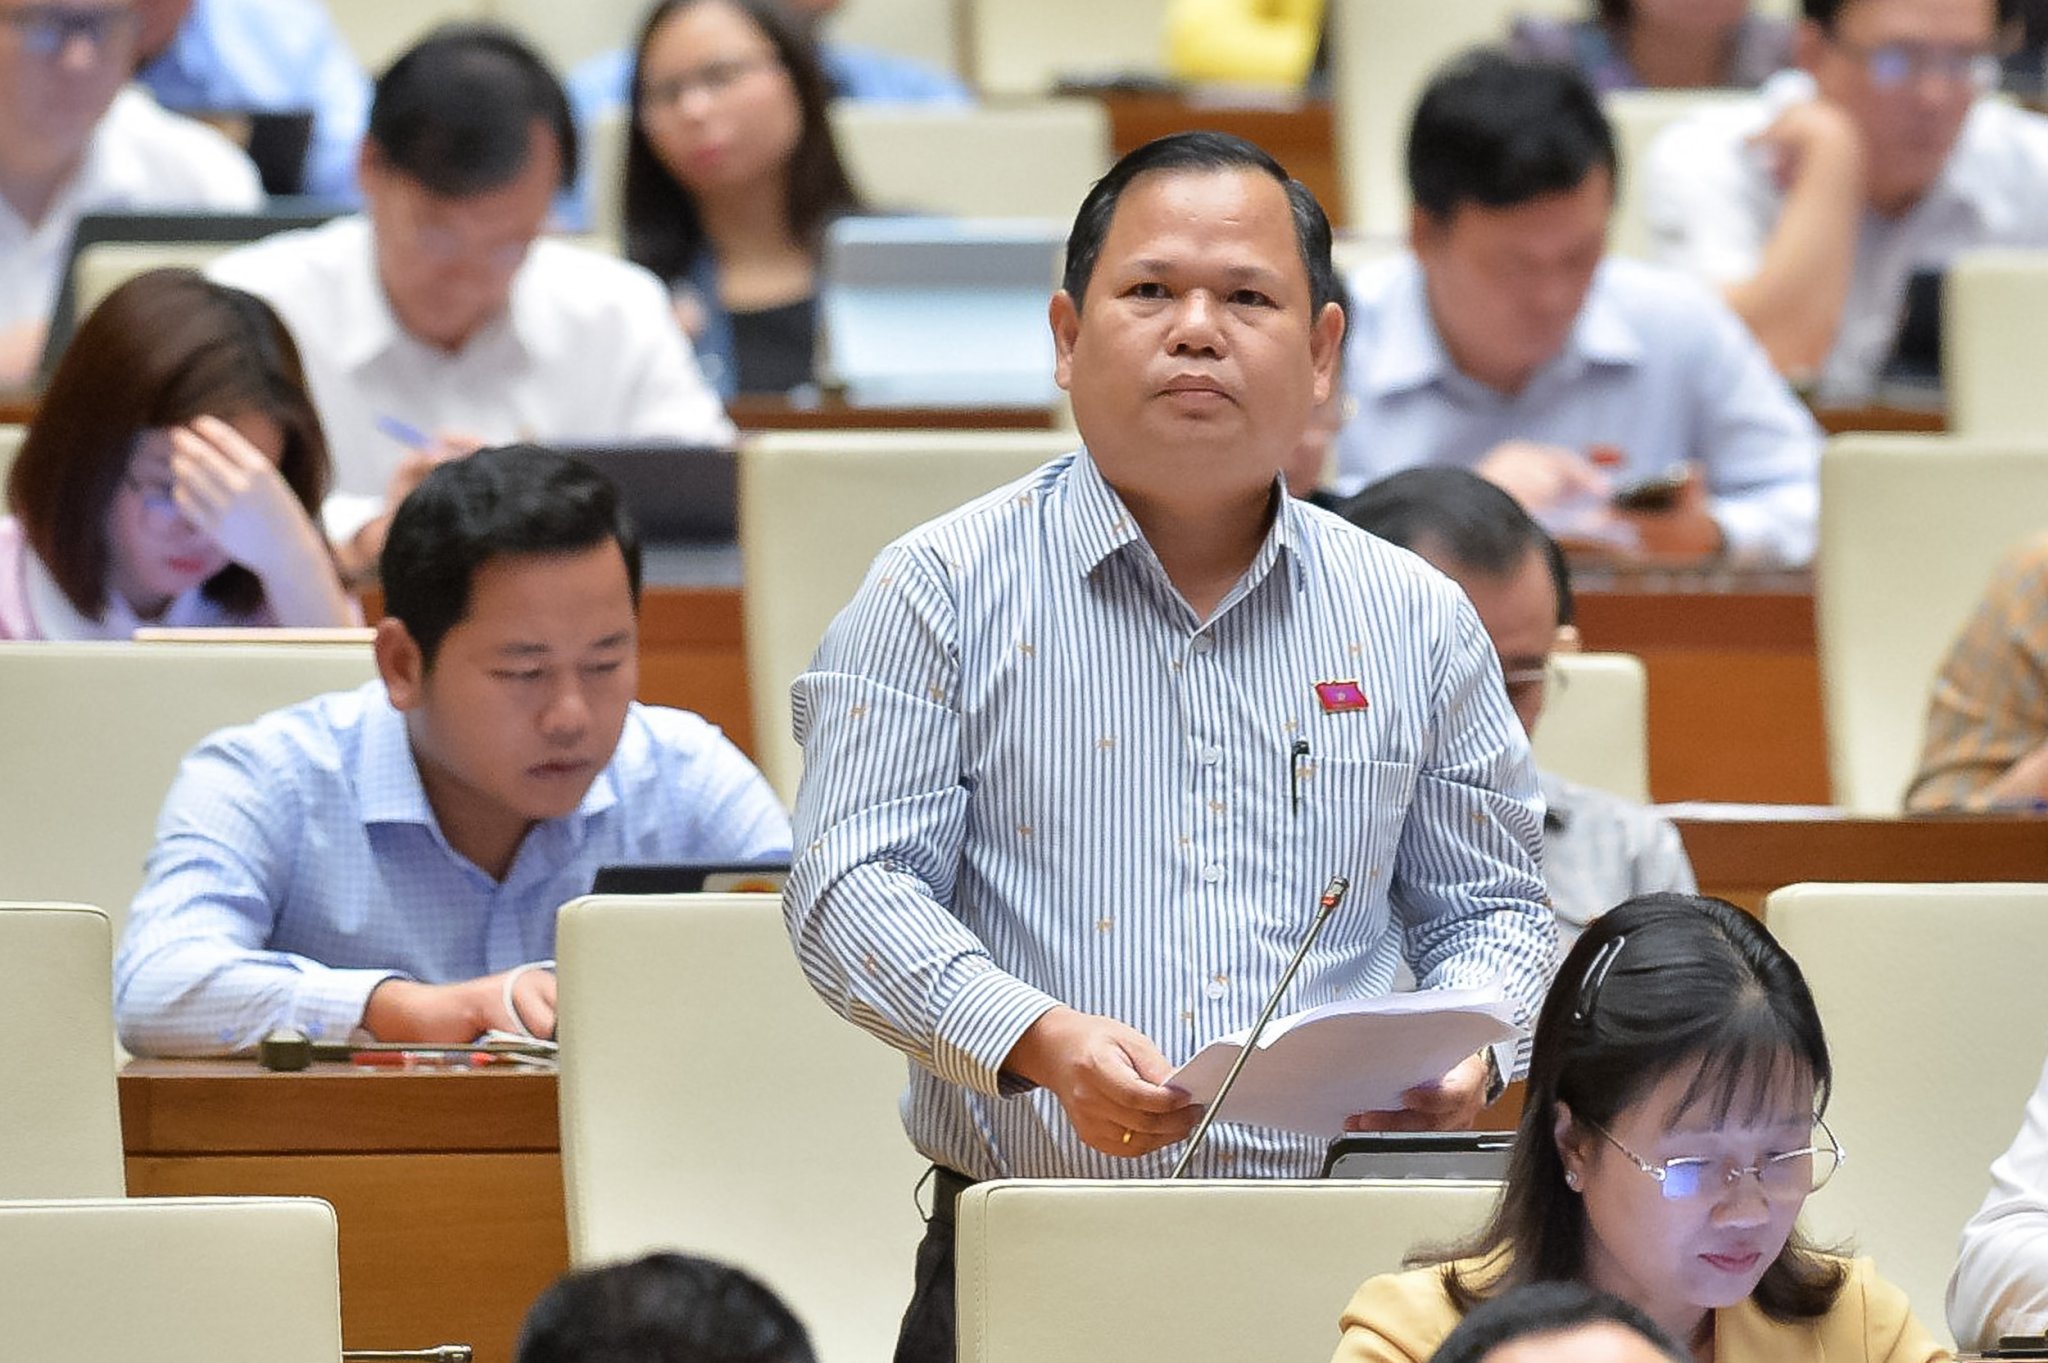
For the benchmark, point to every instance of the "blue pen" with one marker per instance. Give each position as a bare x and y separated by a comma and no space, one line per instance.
410,436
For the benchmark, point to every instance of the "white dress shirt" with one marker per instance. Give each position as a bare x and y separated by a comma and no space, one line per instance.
1654,367
140,158
1712,202
586,350
2000,1285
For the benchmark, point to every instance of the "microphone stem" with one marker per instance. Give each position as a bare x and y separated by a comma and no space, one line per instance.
1333,895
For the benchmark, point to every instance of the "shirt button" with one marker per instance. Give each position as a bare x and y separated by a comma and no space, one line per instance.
1217,988
1200,645
1212,873
1211,756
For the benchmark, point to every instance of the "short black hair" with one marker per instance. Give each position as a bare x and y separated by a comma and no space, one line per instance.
1825,12
1471,522
1544,1309
1498,130
1199,151
456,110
663,1308
512,500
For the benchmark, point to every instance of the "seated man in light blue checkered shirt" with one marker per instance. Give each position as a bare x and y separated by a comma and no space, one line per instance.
386,859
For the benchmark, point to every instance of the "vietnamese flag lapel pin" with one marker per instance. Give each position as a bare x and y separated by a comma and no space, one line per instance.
1339,696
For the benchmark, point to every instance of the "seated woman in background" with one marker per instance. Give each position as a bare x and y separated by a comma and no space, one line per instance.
731,178
1671,1132
1661,44
172,475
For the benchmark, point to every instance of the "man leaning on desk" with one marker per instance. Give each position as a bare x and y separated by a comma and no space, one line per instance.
385,858
1080,756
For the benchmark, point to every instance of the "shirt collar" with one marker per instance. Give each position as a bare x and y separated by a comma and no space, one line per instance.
1407,353
1103,526
365,327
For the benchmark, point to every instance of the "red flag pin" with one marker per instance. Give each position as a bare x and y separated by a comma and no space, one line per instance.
1339,696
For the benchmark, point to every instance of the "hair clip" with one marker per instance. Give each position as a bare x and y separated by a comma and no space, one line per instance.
1596,976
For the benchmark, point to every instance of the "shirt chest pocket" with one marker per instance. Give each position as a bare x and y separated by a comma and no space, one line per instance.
1353,812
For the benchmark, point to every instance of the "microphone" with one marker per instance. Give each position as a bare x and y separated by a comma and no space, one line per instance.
1333,895
440,1353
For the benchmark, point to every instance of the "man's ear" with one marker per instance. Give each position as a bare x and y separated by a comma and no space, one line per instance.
1325,345
401,664
1065,317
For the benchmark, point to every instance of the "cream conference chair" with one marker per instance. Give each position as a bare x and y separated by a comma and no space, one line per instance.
60,1121
1203,1271
1595,728
711,1103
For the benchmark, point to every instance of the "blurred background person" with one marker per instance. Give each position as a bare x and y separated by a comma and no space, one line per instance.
1660,44
262,56
731,177
72,141
171,476
1558,1323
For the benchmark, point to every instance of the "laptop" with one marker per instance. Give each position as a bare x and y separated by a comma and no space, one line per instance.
673,492
691,878
207,233
1420,1154
939,312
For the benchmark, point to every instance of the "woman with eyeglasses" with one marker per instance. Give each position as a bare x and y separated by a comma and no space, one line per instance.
1661,44
172,475
1670,1134
731,179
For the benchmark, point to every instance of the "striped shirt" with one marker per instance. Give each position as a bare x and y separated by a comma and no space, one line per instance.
1989,707
1033,777
298,865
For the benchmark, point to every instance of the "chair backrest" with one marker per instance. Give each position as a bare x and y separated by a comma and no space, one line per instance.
1027,47
1185,1272
1596,723
1031,160
1930,1082
377,31
1993,351
170,1280
1911,528
712,1103
1637,116
94,733
815,509
106,265
60,1123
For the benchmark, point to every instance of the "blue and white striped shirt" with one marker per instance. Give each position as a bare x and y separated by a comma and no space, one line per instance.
298,865
1033,777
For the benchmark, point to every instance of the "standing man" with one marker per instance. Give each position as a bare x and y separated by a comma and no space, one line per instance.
1814,203
1080,756
1507,341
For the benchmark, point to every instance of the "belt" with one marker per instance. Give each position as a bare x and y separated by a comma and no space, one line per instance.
947,1185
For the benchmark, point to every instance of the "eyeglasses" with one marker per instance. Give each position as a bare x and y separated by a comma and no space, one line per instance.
160,510
713,78
1793,1174
46,30
1526,679
1893,65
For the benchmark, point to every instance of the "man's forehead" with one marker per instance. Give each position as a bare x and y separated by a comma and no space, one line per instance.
1164,212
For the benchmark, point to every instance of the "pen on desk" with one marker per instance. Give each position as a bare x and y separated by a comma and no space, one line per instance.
404,432
1294,756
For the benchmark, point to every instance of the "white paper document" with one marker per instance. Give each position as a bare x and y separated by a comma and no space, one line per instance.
1317,1067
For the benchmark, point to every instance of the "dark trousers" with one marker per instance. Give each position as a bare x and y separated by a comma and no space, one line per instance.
927,1333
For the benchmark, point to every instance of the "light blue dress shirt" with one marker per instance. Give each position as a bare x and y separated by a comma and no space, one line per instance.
298,864
1655,366
1032,776
272,55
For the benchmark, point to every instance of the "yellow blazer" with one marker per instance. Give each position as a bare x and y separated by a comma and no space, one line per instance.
1402,1317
